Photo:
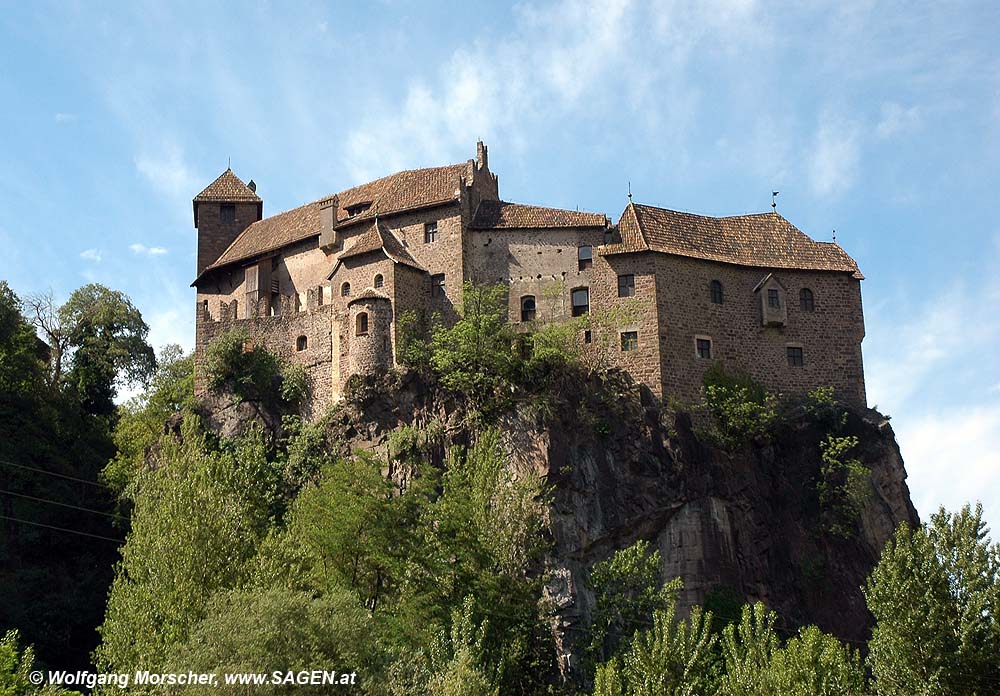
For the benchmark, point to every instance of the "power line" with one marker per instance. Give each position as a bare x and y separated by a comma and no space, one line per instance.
52,473
66,505
62,529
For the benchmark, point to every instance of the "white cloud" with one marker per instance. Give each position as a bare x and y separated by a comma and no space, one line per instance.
952,458
835,154
64,117
91,255
897,120
167,171
142,249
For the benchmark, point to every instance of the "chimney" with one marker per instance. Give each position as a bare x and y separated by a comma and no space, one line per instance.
252,186
482,161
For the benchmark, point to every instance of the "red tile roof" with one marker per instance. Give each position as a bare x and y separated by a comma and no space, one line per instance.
765,240
407,190
228,188
379,238
504,215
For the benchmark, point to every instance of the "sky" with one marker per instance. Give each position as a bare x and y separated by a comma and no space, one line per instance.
880,120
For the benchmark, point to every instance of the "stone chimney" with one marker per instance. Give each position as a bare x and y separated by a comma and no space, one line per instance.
482,155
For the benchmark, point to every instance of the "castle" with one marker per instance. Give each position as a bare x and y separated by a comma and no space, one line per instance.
325,284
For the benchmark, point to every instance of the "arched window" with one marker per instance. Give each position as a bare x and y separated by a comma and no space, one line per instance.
362,324
585,257
379,281
806,300
301,343
716,292
345,290
528,308
581,301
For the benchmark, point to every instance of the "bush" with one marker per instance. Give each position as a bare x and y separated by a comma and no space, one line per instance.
739,405
844,485
234,365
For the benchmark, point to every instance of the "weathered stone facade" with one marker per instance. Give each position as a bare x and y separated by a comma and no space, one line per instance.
669,293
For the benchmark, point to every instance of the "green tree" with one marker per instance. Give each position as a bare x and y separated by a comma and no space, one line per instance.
15,667
21,352
197,520
103,335
935,596
672,658
269,630
814,663
141,419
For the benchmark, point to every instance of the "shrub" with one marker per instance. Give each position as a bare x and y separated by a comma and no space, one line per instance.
844,484
739,405
249,373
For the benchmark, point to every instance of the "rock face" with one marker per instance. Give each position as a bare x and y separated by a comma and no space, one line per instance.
744,525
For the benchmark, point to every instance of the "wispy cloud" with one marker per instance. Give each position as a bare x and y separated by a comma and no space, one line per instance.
897,120
835,156
61,117
167,171
142,249
91,255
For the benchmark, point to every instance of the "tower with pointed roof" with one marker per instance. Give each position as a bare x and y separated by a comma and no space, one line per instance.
222,211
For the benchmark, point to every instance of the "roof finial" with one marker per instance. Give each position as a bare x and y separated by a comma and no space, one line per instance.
774,201
229,162
630,192
835,235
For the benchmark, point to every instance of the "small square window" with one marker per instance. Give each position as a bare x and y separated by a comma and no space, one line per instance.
773,298
630,340
703,347
227,213
437,285
430,232
626,285
795,357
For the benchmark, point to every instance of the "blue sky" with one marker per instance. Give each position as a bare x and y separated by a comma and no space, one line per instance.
880,120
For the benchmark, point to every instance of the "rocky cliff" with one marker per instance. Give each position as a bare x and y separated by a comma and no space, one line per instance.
741,524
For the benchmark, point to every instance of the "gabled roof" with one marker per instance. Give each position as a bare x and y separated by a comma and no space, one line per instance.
412,189
766,279
227,188
763,240
504,215
378,238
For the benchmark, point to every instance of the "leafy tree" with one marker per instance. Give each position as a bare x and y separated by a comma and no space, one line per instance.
814,663
268,630
844,485
627,592
475,356
673,658
197,520
748,649
935,596
740,406
21,352
104,336
16,665
141,420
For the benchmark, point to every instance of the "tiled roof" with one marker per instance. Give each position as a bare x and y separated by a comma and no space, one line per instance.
765,240
272,233
504,215
376,238
228,187
407,190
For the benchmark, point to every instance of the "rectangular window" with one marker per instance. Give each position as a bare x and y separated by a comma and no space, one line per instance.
227,213
626,285
795,357
581,301
630,340
773,299
585,257
430,232
437,285
703,347
587,336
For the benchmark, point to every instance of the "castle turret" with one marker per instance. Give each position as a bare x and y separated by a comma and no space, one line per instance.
370,342
222,211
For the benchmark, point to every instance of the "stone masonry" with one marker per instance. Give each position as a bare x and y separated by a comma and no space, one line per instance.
668,293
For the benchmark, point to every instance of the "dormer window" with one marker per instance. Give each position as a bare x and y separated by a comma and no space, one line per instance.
773,298
358,208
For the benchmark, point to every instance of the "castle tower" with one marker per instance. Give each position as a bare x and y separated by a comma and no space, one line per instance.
370,337
222,211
